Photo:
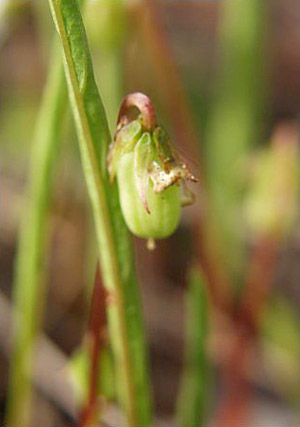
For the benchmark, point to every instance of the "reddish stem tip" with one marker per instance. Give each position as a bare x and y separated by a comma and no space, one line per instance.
141,102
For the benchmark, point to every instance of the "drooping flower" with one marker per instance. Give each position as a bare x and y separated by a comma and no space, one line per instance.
151,176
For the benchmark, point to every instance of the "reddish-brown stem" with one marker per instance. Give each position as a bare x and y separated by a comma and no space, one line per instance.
259,281
143,104
174,96
95,342
218,285
234,408
262,267
167,76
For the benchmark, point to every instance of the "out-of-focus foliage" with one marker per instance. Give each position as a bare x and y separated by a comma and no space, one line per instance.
240,63
273,201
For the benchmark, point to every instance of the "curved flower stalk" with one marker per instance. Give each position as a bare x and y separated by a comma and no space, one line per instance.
151,176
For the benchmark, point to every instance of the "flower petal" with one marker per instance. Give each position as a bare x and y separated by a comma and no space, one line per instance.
144,155
124,141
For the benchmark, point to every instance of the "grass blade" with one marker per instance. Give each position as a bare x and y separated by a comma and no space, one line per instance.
28,286
194,393
233,125
117,264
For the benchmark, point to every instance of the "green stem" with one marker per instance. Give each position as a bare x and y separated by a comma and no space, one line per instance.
28,283
108,73
124,314
194,394
233,127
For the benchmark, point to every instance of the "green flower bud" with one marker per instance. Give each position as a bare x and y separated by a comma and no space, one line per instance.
147,213
271,205
150,176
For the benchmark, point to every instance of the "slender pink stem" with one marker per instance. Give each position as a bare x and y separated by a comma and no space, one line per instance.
95,342
174,96
234,408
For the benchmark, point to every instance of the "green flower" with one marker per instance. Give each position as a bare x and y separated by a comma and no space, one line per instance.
151,177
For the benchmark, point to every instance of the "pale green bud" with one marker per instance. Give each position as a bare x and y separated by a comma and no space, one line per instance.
151,180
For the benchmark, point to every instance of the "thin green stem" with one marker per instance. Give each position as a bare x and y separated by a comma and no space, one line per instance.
124,314
28,284
106,38
194,394
233,126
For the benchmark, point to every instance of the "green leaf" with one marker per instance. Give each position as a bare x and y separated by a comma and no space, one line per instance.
29,285
114,244
193,399
80,372
234,122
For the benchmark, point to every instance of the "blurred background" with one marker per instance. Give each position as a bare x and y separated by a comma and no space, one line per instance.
224,78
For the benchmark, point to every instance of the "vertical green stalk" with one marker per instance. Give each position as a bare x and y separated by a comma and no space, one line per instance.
106,30
234,122
28,284
115,252
194,392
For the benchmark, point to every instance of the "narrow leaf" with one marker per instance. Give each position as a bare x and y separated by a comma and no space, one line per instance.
29,285
114,245
194,391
